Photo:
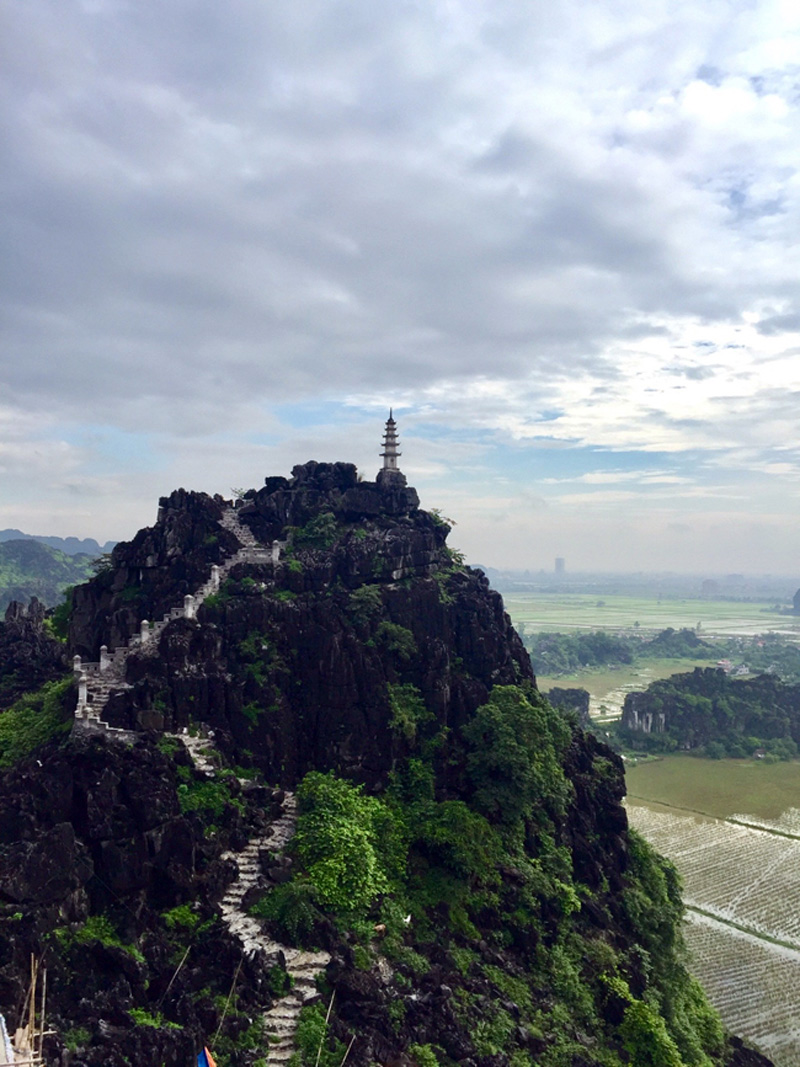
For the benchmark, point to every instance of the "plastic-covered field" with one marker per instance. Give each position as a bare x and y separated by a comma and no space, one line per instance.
755,986
750,877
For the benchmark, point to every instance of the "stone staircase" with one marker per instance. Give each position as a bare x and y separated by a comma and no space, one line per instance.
280,1021
97,680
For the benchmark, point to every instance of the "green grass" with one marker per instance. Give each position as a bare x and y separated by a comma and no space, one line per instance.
566,613
717,787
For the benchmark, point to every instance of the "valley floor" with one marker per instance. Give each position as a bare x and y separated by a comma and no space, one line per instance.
732,828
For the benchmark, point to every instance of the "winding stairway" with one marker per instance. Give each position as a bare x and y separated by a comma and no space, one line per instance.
280,1021
96,681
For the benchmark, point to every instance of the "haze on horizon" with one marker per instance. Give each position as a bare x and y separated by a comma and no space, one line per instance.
561,239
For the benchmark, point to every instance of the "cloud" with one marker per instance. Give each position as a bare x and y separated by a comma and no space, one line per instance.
539,231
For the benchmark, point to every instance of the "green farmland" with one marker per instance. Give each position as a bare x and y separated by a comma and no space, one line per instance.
567,612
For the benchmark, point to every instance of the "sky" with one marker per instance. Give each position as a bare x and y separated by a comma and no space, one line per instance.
560,238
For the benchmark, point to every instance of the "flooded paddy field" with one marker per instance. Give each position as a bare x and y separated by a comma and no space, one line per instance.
569,612
732,828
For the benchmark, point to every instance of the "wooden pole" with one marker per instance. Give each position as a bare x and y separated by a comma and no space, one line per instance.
347,1053
325,1030
44,1006
32,1016
227,1002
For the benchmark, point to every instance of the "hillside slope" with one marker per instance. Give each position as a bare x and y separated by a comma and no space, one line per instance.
369,785
29,568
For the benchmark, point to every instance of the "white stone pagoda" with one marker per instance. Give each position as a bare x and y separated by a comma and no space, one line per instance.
390,477
390,453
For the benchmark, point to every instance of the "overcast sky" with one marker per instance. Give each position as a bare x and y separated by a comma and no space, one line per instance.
560,237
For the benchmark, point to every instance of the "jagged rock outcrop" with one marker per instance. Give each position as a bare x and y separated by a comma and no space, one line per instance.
572,699
147,576
29,654
338,633
296,660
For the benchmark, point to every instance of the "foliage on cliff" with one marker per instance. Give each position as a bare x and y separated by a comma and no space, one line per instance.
707,711
505,944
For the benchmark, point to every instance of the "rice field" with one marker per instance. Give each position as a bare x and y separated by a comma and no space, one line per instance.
753,985
740,876
568,612
608,686
749,790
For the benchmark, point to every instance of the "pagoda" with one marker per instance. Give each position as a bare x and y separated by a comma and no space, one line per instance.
390,443
390,475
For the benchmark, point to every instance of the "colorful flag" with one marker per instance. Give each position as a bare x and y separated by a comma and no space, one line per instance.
205,1059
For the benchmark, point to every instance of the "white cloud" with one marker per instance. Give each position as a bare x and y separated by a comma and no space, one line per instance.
568,228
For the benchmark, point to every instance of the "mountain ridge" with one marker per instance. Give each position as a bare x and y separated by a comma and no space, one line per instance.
461,854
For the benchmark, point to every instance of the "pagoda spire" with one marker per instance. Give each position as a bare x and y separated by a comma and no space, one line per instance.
390,452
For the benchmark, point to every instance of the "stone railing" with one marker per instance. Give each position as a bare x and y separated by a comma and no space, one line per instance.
96,680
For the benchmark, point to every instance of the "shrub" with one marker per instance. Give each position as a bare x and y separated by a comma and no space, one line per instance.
408,710
292,909
365,602
319,532
144,1018
341,840
397,639
517,741
316,1046
32,720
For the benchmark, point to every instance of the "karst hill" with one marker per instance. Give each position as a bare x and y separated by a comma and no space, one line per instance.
289,792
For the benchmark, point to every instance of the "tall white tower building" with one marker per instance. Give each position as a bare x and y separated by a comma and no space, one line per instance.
390,453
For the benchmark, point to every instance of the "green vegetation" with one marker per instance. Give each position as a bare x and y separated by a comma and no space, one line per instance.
720,788
29,568
77,1037
316,1045
97,929
718,716
141,1017
366,602
557,653
209,797
396,639
490,881
58,621
320,532
183,917
260,657
408,710
340,834
34,719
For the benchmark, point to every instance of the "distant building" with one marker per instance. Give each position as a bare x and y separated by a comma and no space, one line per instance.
561,565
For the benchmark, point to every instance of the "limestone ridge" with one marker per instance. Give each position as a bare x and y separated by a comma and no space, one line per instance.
96,681
313,598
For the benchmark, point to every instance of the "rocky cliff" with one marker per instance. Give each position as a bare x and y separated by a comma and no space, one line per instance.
706,707
456,863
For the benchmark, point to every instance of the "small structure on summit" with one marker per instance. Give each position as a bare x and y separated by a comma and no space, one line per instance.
390,475
390,442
